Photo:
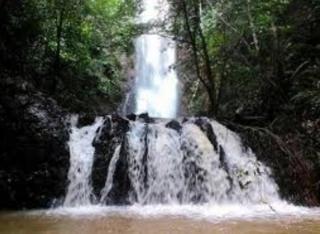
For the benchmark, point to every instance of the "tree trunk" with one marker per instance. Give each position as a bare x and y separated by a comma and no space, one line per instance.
207,64
192,31
60,19
252,26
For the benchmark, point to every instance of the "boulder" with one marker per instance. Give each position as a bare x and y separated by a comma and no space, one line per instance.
112,134
34,157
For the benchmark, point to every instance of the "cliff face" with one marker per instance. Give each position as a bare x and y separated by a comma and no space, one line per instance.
34,159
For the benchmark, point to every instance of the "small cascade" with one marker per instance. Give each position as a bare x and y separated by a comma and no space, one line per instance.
151,182
184,167
81,160
176,162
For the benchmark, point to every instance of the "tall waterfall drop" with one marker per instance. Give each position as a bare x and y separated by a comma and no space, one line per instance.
156,91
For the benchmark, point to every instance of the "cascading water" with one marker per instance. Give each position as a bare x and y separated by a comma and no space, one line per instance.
156,81
81,159
198,161
178,163
167,166
189,167
190,161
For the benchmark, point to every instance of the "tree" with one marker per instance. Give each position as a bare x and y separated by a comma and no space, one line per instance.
68,47
191,26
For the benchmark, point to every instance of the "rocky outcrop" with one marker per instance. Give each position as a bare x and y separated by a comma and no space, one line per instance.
112,134
34,159
295,172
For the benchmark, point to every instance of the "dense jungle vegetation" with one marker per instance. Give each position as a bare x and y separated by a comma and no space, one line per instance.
260,56
69,49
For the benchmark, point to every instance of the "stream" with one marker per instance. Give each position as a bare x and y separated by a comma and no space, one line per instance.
124,221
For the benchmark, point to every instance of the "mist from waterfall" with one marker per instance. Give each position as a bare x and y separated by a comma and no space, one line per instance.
156,82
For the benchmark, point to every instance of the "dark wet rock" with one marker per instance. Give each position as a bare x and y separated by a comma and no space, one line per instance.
224,165
34,158
132,117
121,124
184,120
119,193
112,134
146,118
85,119
222,158
206,127
294,174
175,125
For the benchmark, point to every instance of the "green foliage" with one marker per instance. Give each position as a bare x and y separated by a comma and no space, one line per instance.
264,55
265,63
71,44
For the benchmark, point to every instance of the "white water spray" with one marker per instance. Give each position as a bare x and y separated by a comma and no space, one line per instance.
81,160
185,168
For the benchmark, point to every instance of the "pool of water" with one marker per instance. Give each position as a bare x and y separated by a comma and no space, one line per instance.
156,220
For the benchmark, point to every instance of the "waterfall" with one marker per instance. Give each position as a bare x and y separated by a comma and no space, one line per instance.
162,161
185,167
165,164
156,80
81,159
177,162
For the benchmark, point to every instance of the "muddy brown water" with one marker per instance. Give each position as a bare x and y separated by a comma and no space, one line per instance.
23,223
